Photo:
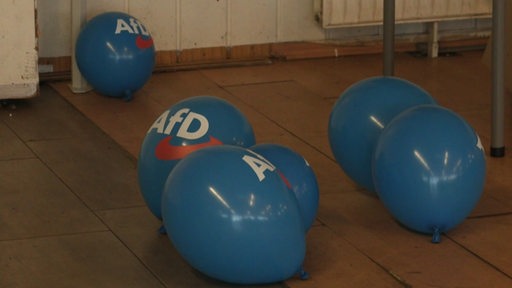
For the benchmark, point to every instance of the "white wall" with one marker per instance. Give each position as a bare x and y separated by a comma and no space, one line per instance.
184,24
18,54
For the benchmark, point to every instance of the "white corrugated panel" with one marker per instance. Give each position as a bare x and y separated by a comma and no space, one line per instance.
346,13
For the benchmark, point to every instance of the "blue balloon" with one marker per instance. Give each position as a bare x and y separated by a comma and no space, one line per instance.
298,175
429,169
360,114
115,53
187,126
230,216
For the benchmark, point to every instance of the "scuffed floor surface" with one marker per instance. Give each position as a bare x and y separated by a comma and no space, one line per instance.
72,215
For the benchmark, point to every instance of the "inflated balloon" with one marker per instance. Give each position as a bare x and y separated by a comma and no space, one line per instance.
429,169
298,175
187,126
231,216
360,114
115,53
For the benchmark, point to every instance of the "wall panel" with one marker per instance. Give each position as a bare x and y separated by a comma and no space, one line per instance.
346,13
296,21
54,30
159,17
179,25
253,21
203,23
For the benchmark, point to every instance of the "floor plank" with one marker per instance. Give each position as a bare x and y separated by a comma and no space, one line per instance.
289,102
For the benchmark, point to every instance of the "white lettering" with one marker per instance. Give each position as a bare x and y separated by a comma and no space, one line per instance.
479,144
186,118
176,118
200,132
159,123
143,29
259,165
122,26
134,25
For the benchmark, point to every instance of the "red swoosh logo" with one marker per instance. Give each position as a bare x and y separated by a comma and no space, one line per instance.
165,151
285,180
143,43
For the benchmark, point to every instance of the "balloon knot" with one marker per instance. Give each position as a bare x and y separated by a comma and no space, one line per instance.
162,230
303,275
436,236
128,95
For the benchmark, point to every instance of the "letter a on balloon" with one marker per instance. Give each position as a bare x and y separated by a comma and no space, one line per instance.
258,165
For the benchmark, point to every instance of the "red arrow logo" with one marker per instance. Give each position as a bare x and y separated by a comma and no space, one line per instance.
143,43
165,151
285,180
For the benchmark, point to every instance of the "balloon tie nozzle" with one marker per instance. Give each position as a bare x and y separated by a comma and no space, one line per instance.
303,275
128,95
436,236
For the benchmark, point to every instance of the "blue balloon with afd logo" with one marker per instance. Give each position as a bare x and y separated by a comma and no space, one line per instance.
429,169
298,175
115,53
360,114
230,215
189,125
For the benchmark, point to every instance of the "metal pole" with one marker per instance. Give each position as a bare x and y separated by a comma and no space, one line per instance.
389,37
498,56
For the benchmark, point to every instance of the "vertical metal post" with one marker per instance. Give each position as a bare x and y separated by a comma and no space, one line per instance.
433,41
389,37
78,19
498,60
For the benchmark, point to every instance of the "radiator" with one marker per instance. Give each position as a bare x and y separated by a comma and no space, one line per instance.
350,13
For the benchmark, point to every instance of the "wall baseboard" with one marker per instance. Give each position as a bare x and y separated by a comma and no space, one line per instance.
60,67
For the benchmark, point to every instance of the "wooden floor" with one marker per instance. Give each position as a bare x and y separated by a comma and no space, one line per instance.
354,242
